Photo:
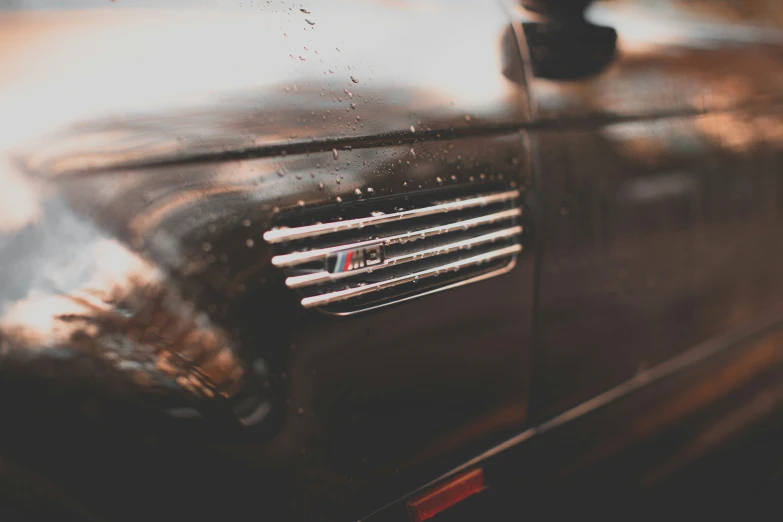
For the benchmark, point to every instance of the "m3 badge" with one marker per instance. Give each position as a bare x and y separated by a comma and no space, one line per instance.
355,259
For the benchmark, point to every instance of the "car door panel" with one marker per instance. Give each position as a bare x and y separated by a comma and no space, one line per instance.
660,191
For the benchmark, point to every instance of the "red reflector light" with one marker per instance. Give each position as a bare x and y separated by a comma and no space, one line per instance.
446,495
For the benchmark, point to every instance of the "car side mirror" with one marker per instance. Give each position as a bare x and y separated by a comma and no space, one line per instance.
564,45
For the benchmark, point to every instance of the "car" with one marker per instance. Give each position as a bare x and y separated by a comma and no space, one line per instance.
390,260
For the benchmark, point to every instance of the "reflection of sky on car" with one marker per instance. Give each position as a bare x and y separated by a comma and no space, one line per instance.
751,12
58,67
667,61
666,23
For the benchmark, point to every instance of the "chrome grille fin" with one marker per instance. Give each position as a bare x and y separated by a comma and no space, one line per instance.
351,265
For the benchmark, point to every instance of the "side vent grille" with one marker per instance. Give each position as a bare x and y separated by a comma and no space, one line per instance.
345,259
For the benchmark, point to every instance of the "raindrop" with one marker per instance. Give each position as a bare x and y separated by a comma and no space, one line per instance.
300,411
300,203
358,192
339,199
309,22
206,247
305,11
353,106
280,172
321,186
275,210
370,190
453,177
413,129
377,213
335,153
439,180
404,183
467,118
354,79
413,153
249,243
246,223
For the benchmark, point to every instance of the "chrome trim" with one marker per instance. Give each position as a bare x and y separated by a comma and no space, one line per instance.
324,276
500,271
349,293
298,258
289,234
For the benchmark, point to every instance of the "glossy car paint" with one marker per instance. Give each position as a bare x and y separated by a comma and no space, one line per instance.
144,324
661,195
203,126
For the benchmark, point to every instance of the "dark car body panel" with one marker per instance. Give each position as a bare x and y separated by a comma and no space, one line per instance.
661,188
643,312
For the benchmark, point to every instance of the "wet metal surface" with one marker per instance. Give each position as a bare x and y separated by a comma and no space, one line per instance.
146,147
661,199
